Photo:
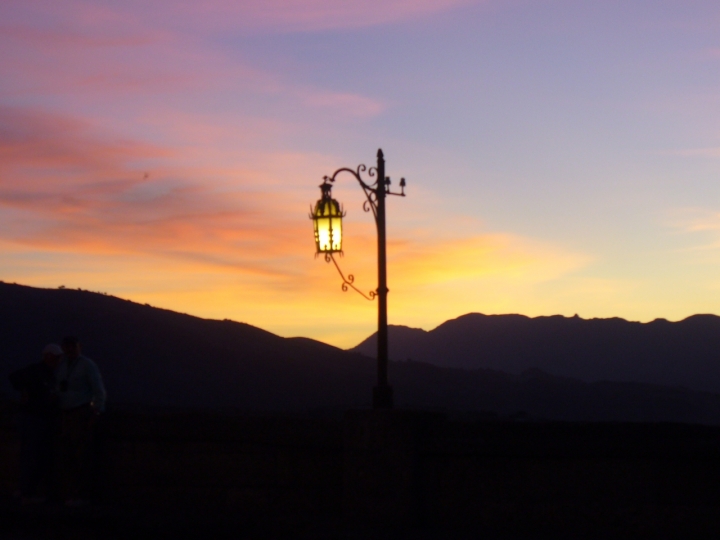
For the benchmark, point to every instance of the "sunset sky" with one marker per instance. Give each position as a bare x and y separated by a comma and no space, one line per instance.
562,157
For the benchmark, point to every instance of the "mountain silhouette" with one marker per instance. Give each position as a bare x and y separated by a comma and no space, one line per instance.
684,353
152,357
159,357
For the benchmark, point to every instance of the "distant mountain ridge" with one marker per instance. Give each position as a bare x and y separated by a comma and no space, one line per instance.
152,357
684,353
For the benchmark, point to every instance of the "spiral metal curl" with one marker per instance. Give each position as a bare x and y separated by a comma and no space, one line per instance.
370,203
349,280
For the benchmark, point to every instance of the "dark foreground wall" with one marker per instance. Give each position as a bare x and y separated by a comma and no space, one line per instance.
394,471
174,473
527,480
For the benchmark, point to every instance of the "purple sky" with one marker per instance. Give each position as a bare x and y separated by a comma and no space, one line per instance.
561,157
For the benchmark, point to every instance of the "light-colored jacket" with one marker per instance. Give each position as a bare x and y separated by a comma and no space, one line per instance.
84,384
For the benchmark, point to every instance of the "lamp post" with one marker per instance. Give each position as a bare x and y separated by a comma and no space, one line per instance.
327,220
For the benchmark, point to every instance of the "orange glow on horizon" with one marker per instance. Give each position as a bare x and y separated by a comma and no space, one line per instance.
167,153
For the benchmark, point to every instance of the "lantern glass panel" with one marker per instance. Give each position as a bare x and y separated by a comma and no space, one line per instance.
323,234
328,226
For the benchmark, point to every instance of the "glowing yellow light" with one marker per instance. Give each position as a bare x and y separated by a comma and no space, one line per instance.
327,220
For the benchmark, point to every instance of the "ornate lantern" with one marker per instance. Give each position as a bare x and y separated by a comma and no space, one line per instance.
327,220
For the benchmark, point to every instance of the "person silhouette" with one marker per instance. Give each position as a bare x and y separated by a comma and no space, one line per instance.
81,396
38,418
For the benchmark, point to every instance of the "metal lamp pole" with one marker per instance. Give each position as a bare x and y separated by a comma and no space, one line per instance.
375,194
382,393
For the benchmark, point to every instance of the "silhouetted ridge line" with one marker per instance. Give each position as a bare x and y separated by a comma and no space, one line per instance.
156,358
684,353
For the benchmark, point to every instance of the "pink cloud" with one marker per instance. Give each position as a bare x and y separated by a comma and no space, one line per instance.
52,38
352,105
119,68
65,187
710,152
247,15
118,55
312,15
53,61
66,183
34,144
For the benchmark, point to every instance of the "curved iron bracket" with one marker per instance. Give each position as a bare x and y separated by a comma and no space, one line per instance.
349,280
368,189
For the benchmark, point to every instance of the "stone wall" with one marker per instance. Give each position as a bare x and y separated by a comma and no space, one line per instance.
402,470
605,480
173,472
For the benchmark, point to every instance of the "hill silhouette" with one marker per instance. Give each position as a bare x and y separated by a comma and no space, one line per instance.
685,353
153,357
159,357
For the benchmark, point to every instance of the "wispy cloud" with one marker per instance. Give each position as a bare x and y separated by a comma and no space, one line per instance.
53,38
248,15
711,152
308,15
695,220
192,229
33,140
708,54
418,262
700,225
66,187
346,104
146,64
488,256
70,190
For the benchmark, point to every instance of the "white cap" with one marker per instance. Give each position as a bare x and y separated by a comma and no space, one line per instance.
51,348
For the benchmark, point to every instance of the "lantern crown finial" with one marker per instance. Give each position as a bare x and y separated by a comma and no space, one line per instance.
326,190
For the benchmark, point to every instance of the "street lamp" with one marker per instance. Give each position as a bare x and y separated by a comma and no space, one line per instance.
327,221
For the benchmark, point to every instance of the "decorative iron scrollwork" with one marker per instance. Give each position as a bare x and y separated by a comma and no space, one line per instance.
371,191
349,280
